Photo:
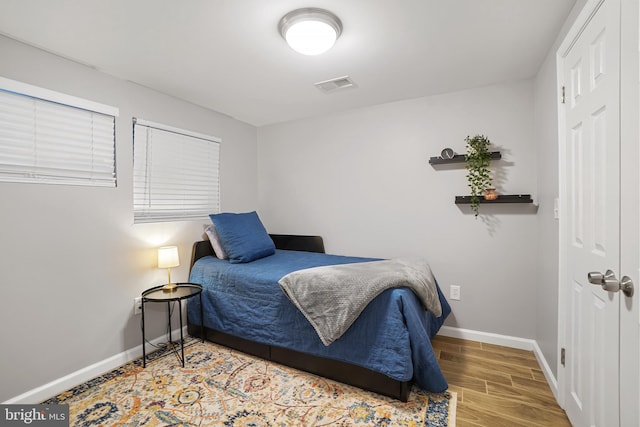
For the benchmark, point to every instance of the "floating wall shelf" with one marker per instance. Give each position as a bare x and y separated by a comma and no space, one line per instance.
502,198
459,158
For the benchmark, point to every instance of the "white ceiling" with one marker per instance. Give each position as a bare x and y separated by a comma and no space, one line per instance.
227,55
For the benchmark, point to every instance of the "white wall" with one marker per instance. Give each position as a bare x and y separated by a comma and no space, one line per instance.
547,138
71,258
362,180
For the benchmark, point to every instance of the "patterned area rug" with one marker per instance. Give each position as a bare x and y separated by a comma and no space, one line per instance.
223,387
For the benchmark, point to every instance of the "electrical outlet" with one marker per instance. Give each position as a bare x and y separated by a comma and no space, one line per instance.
137,305
454,292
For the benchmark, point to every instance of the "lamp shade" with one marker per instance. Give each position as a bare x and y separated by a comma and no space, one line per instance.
168,257
310,31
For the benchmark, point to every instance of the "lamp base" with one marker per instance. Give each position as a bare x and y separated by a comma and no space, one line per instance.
169,287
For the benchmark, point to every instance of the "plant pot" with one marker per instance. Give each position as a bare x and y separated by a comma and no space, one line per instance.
491,194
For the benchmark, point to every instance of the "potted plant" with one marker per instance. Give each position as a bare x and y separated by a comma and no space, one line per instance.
477,161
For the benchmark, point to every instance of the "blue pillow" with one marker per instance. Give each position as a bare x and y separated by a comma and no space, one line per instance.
243,236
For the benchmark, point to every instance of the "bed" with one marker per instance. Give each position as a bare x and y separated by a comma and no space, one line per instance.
385,350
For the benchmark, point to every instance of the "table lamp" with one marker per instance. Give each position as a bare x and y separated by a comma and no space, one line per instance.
167,258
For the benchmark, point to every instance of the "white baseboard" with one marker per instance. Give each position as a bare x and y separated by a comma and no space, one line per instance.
506,341
55,387
546,370
80,376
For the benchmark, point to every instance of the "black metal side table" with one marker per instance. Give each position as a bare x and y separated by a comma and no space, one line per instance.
182,291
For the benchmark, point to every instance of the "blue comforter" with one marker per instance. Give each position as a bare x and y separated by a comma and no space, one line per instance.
391,336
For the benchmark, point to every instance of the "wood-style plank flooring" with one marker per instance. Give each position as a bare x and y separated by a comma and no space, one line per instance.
497,386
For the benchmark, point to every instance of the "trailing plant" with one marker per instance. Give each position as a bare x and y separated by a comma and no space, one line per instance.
477,162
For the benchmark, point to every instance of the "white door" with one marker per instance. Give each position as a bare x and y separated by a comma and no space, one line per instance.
598,147
630,214
592,228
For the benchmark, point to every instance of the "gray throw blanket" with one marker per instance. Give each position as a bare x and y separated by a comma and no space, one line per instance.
332,297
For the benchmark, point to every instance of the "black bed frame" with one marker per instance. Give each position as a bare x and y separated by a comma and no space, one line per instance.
340,371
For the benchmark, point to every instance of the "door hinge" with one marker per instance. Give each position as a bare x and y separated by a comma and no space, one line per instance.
562,356
563,99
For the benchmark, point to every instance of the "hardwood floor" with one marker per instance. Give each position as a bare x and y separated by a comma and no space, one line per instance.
497,386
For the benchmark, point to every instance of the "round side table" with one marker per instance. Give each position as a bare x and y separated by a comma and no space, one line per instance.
182,291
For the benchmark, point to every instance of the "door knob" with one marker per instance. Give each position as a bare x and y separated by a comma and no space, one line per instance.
609,282
626,284
596,278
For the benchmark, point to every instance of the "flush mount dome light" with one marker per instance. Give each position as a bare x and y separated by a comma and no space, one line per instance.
310,31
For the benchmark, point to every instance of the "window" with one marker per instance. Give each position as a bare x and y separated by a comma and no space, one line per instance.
53,138
175,173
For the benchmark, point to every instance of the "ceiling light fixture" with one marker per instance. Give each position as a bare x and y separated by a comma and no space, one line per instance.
310,31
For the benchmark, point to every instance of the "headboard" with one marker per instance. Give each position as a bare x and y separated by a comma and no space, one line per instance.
298,243
282,241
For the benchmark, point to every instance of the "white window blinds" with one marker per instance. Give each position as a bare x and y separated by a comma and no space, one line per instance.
175,173
48,137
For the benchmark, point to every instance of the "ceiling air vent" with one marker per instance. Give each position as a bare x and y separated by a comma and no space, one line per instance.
333,85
